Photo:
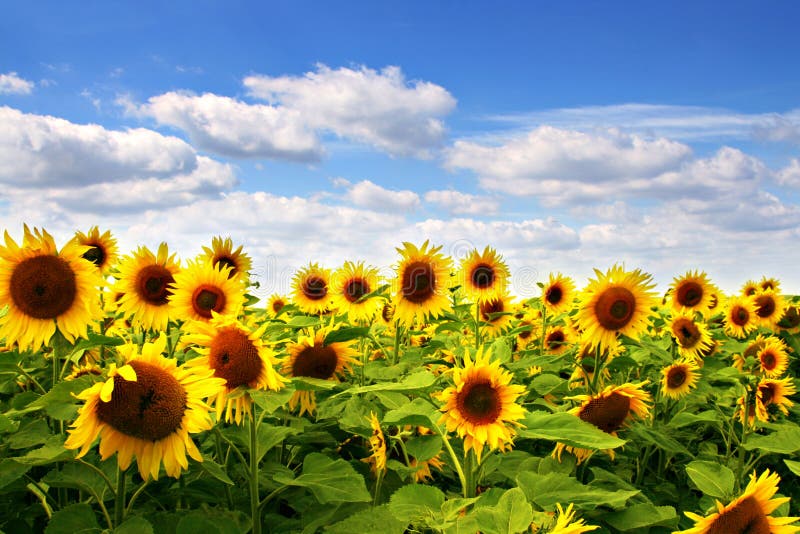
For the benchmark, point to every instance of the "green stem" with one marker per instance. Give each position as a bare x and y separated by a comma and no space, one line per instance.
233,447
119,498
377,494
456,462
477,326
469,474
544,330
254,502
135,496
31,378
396,353
100,472
223,461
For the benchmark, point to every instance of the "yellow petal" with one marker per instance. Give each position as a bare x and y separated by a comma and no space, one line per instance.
127,372
108,389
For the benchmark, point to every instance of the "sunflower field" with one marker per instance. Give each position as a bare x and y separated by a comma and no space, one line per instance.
140,393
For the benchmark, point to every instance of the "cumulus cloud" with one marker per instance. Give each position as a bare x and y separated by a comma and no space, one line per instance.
43,151
789,175
12,84
458,203
379,108
233,128
367,194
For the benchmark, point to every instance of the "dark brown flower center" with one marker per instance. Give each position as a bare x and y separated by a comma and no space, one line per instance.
43,287
687,333
713,301
750,291
767,392
225,261
765,306
233,357
769,360
754,348
607,413
314,287
152,284
554,294
419,282
614,308
747,517
277,305
791,318
356,288
489,307
689,294
207,298
96,254
676,377
387,312
555,339
482,276
740,316
318,361
525,334
151,408
479,403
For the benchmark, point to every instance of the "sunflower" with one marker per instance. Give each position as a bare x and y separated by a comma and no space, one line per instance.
46,289
774,392
740,316
144,282
558,339
748,513
377,445
311,289
203,289
565,523
495,314
386,315
617,302
692,292
422,284
481,405
790,322
423,468
773,358
608,410
691,337
558,294
147,408
222,253
311,357
585,362
275,305
236,354
528,322
750,288
349,284
102,248
484,276
679,378
769,308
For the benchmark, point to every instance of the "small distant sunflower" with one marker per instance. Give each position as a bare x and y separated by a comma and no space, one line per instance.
386,315
147,408
692,292
422,284
495,315
774,393
679,379
102,248
87,368
481,405
750,288
377,445
423,468
740,316
608,410
790,322
566,523
692,337
222,253
236,354
349,284
748,513
311,357
531,332
202,289
46,289
558,339
275,305
144,282
769,308
311,291
585,362
559,293
617,302
770,284
483,276
773,358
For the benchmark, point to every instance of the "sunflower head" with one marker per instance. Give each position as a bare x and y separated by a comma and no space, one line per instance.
377,445
559,294
423,279
222,254
750,288
202,290
483,275
692,337
46,289
740,316
773,358
558,339
276,304
692,292
679,378
790,321
144,281
769,308
311,289
773,395
495,314
102,248
349,285
567,524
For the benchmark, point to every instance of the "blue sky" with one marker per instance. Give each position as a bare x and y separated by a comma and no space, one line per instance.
568,136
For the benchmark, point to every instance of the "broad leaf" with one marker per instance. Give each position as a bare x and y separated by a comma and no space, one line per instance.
711,478
329,480
568,429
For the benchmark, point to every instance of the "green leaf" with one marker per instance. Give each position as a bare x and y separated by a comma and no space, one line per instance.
78,476
654,436
303,321
418,412
501,351
567,429
414,502
306,383
423,448
513,513
547,490
793,466
216,471
211,522
97,340
642,516
329,480
8,426
34,433
391,400
378,519
687,418
11,471
346,334
73,519
546,383
271,401
420,380
60,402
785,441
52,451
270,436
711,478
135,525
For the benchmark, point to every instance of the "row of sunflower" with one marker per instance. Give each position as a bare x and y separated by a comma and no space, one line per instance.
432,401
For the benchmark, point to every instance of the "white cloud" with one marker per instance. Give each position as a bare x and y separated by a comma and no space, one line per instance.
233,128
456,202
381,108
370,195
790,175
44,151
12,84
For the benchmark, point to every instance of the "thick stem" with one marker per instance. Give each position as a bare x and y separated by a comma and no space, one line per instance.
255,513
454,457
119,498
477,325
